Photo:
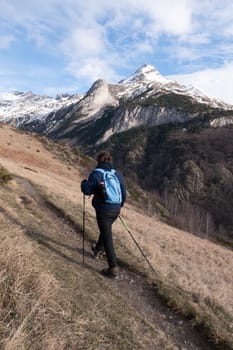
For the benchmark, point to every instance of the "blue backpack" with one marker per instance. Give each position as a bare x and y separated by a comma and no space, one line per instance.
111,186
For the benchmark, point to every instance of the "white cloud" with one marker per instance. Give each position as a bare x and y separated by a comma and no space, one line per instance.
98,39
214,82
6,40
143,47
114,34
84,42
169,17
93,69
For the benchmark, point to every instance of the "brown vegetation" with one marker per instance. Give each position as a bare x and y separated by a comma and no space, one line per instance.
49,300
5,176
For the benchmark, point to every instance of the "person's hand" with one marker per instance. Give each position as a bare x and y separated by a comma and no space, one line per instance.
83,182
83,185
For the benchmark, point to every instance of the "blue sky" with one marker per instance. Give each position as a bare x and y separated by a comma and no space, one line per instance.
53,46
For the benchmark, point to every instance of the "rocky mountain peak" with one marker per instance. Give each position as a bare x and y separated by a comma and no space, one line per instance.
97,97
145,73
97,86
99,94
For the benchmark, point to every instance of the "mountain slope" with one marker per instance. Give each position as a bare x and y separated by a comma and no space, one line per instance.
188,167
54,301
18,108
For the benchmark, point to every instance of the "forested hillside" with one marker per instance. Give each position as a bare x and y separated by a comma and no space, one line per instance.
188,168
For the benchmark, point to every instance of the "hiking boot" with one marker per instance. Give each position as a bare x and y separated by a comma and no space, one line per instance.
97,253
111,272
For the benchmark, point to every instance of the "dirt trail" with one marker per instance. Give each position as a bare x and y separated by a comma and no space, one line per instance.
25,156
134,288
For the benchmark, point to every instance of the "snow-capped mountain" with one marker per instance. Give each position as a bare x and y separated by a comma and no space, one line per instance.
147,78
145,74
145,98
20,108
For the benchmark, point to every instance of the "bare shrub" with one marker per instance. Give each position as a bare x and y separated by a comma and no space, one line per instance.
189,217
5,175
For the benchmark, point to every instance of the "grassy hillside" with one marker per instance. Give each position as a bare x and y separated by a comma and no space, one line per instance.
50,300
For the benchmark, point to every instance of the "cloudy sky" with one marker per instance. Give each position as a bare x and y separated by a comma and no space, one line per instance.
53,46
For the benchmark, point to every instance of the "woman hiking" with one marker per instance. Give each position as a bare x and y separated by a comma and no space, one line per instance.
109,191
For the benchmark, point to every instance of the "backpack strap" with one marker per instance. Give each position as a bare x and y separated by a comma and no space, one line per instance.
105,171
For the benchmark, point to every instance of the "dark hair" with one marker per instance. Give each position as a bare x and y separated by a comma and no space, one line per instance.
104,156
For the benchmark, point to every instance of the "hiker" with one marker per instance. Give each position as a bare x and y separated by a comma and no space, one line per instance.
107,210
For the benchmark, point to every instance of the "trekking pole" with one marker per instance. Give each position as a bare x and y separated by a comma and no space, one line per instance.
131,235
83,224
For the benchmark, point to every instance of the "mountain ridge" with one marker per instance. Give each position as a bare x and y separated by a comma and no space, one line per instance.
18,108
145,98
146,80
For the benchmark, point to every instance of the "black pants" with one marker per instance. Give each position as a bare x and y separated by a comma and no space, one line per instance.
105,221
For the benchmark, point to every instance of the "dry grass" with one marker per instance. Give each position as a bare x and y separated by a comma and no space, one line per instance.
29,312
193,274
49,300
